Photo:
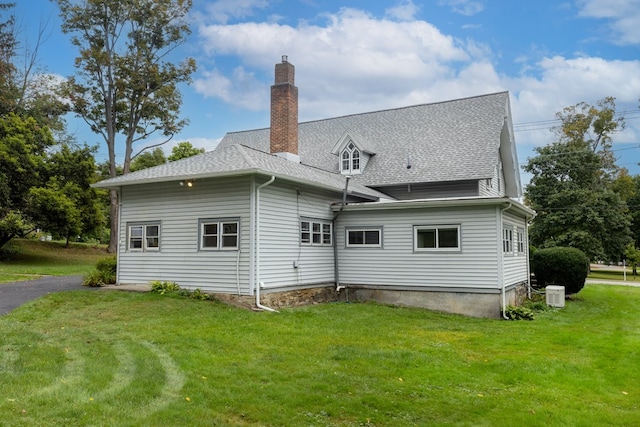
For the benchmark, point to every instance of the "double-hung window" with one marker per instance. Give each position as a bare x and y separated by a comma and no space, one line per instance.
315,232
143,236
219,234
521,242
364,237
507,239
436,238
350,159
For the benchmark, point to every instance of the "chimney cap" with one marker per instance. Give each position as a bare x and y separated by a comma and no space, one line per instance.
284,58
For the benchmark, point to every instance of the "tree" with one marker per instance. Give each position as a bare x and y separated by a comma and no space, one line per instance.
183,150
632,256
126,81
23,145
572,185
148,159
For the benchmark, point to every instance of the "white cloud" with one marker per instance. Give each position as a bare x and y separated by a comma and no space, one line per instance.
355,62
405,10
464,7
624,17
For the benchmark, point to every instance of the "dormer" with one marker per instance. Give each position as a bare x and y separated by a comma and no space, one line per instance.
353,153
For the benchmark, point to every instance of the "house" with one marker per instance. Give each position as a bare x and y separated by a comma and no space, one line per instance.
414,206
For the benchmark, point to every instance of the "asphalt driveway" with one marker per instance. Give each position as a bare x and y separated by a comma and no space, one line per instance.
13,295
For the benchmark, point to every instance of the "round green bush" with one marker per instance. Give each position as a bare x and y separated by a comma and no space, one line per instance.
561,266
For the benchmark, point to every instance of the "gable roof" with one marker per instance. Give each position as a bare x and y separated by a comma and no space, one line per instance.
238,160
445,141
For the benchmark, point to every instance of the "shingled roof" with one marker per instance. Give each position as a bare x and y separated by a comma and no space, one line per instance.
238,160
446,141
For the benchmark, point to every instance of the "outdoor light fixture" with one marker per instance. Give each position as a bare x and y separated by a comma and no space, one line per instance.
187,183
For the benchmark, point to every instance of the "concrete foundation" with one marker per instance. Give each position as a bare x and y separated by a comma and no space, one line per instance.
474,304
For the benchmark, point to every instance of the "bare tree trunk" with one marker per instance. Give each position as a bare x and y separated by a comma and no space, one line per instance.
115,221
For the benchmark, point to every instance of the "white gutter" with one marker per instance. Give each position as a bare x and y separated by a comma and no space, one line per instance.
259,284
501,270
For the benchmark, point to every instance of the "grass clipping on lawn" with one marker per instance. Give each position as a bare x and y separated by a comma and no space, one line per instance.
118,358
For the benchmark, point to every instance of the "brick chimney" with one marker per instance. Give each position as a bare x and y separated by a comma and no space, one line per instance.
284,112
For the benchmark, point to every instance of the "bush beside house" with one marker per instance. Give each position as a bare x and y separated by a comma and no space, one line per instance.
562,266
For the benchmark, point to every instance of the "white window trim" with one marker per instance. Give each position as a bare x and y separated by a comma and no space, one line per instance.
521,242
417,228
323,232
220,223
351,159
507,240
363,230
143,225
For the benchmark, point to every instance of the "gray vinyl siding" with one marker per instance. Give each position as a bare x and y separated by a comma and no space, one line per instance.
515,264
494,187
397,265
282,207
435,190
178,210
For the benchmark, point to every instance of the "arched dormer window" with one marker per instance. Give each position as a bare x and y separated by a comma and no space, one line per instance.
350,159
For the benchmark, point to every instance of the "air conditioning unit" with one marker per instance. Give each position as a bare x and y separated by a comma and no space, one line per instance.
555,296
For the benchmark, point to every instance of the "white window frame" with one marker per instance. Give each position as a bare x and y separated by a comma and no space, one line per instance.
520,241
507,240
364,231
315,232
146,237
350,159
220,234
436,229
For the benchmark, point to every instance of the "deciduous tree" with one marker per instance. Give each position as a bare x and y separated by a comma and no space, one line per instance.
183,150
571,188
127,78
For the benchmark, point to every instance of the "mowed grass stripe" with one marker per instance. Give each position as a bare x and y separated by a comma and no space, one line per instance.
322,365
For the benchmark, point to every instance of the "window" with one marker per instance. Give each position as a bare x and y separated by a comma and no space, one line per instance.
368,237
219,234
315,233
521,242
350,159
507,240
441,238
144,237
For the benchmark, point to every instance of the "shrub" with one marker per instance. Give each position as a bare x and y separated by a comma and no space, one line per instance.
562,266
519,313
9,252
172,288
104,274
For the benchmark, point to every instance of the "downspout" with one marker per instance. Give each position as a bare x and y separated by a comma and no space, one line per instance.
118,251
336,273
257,240
504,286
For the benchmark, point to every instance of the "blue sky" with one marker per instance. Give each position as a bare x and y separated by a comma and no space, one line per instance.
358,56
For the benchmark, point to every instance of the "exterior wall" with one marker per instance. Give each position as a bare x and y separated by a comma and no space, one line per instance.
396,266
515,264
282,207
493,187
178,210
432,190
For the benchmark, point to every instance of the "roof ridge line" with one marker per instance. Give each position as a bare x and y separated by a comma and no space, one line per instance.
446,101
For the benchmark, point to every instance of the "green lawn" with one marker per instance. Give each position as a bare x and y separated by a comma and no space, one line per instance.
35,259
115,358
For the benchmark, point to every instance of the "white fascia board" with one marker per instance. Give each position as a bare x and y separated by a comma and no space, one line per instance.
436,203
